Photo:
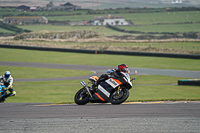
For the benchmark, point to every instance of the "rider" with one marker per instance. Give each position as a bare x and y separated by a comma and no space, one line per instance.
115,72
7,79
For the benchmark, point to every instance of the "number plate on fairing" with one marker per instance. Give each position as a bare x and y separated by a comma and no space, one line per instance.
112,82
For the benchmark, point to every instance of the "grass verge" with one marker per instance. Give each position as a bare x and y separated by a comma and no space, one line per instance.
98,59
29,72
64,91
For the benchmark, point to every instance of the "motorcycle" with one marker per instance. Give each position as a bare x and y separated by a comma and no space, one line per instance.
3,92
114,90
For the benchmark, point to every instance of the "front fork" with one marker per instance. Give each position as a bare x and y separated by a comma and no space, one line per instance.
86,87
118,90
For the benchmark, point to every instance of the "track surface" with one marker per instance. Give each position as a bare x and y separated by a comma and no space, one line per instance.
126,118
138,117
148,109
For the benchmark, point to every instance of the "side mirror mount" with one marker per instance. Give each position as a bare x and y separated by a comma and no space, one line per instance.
132,79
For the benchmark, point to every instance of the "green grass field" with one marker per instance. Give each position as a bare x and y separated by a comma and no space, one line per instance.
165,28
141,18
146,88
99,59
26,72
109,32
144,21
5,31
137,18
52,28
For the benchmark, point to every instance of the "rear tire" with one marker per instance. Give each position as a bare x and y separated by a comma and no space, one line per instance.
118,99
80,98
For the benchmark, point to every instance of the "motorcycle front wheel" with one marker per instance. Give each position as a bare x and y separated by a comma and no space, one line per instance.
118,98
81,97
2,100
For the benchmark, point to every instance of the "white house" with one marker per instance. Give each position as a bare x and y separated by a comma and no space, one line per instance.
176,1
109,20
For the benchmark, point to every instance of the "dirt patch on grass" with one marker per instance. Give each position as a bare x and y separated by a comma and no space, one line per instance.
79,40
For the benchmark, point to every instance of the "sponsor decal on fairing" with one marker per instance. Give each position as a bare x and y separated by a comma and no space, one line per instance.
112,82
104,91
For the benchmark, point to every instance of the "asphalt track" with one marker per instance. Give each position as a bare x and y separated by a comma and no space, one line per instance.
152,117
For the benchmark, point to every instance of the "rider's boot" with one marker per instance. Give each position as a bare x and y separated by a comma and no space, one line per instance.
93,88
101,78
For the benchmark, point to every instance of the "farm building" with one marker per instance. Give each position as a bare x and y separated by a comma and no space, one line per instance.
22,8
49,7
25,20
110,20
63,7
70,6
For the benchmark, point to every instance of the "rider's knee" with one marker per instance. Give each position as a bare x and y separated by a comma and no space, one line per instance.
13,93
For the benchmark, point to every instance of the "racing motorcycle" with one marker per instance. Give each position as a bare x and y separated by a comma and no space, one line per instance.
3,92
114,90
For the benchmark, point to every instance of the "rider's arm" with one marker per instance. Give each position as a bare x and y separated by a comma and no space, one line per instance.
110,72
1,79
13,92
10,83
103,77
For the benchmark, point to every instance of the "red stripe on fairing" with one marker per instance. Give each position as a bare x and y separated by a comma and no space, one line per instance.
120,83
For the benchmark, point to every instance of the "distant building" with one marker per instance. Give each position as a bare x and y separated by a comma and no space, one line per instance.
33,8
109,20
21,20
63,7
71,6
22,8
176,1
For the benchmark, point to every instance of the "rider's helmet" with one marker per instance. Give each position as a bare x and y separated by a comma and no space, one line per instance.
7,74
123,68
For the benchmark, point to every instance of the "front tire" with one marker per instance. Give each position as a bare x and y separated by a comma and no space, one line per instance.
2,100
116,98
81,98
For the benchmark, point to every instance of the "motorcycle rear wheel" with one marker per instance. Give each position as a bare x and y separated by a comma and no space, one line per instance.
81,98
116,98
